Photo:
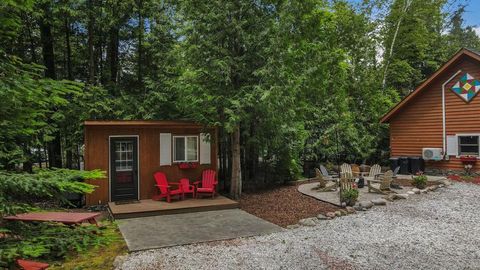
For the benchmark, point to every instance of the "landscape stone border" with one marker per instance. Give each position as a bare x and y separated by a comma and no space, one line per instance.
366,205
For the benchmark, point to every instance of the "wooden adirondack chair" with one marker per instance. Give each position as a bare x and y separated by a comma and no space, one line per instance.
164,188
395,172
346,171
355,170
326,175
187,187
323,185
346,183
383,184
375,171
208,183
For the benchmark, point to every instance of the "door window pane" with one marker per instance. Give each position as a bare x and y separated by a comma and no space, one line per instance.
123,156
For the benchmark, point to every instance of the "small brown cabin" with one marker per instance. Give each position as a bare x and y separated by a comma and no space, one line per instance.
131,151
440,119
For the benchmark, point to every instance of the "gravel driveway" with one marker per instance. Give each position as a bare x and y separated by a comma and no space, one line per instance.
439,230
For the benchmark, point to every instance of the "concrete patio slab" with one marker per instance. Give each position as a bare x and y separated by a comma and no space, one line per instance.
180,229
334,198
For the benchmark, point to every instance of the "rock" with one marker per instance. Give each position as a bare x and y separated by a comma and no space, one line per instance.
422,191
294,226
432,188
350,210
322,217
330,215
119,260
344,204
441,185
366,204
390,197
401,196
379,201
446,182
416,190
307,222
410,193
344,212
338,213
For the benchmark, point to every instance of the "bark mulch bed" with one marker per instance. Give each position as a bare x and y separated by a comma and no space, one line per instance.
283,205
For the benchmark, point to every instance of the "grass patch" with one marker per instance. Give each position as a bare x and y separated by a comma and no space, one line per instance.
97,258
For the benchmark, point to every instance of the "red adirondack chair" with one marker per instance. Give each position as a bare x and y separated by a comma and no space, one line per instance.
186,187
209,183
164,190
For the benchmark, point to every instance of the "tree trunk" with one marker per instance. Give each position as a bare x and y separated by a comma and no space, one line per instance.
55,152
54,147
91,55
68,48
406,5
236,181
113,53
140,41
47,43
33,53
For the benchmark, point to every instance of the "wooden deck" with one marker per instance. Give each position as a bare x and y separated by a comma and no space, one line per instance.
154,208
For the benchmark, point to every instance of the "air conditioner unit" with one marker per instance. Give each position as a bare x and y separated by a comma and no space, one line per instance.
432,153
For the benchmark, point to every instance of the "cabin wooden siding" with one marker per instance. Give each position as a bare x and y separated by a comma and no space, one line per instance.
419,123
96,154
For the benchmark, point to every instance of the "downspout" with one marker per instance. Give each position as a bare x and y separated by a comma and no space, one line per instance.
444,133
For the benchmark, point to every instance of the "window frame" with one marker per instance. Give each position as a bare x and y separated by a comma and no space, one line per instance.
174,137
459,145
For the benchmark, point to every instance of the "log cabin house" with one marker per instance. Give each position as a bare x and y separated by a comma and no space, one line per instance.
131,151
439,120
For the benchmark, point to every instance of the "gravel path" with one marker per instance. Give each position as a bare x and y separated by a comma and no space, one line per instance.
438,230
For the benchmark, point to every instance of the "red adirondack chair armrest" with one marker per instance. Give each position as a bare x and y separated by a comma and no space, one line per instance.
168,187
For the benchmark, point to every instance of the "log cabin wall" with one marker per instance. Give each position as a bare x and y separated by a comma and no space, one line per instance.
418,124
97,153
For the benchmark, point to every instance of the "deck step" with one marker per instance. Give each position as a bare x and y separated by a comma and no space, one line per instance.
155,208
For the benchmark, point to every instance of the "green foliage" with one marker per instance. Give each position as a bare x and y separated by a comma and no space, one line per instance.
49,241
349,196
420,181
302,80
19,191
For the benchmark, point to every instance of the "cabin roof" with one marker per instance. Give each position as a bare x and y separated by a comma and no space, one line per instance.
464,51
164,123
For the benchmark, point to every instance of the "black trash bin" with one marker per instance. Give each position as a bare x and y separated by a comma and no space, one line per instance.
394,163
416,164
404,165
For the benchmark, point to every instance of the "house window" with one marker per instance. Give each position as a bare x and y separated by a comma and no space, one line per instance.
468,145
185,148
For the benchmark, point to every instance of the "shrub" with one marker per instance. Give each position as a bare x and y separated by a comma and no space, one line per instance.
349,196
20,191
420,181
49,241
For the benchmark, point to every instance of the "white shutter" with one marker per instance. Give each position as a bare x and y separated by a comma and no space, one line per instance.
165,149
205,156
452,145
